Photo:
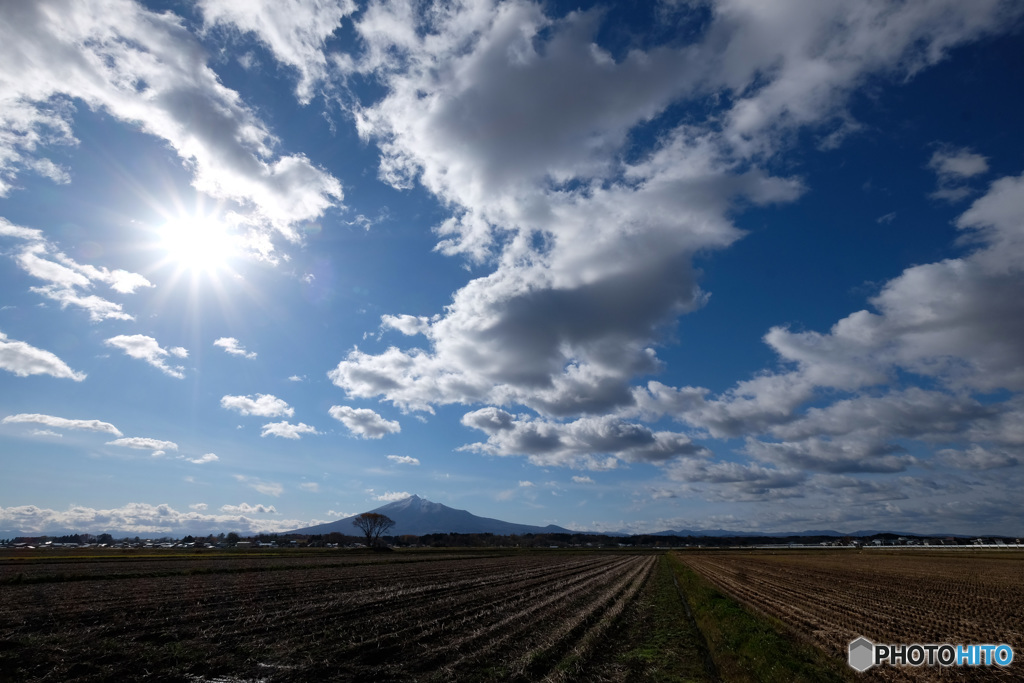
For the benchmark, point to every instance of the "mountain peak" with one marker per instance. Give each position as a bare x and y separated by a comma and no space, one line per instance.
419,516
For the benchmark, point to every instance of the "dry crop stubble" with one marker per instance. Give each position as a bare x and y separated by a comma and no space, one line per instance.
911,596
468,616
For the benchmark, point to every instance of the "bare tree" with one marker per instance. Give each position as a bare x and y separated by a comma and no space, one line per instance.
373,525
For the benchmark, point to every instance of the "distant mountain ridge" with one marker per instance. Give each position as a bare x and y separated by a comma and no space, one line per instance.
418,516
720,533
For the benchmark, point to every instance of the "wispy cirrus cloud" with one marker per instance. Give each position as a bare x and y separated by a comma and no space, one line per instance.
955,167
67,279
231,345
147,349
63,423
267,488
157,446
23,360
294,32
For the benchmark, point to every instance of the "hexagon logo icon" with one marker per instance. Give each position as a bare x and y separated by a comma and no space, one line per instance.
862,654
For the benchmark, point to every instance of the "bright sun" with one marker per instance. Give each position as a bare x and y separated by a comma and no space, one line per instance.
198,243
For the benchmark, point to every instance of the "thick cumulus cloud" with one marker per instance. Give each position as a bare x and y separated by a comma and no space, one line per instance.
143,519
959,321
533,135
245,508
518,121
287,430
23,360
145,69
364,422
597,443
262,405
952,330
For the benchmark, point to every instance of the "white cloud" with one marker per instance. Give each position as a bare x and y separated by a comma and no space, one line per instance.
98,307
267,488
65,276
148,349
137,519
296,378
596,443
978,458
203,459
392,496
8,229
582,480
231,345
404,459
293,30
247,509
364,422
958,163
145,70
145,444
23,360
951,326
121,281
406,324
954,167
287,430
47,432
564,328
263,405
64,423
310,486
526,484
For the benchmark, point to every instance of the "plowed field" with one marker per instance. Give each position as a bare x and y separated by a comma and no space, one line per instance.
888,597
508,617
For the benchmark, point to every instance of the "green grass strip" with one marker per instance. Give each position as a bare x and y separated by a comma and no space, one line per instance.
660,643
751,647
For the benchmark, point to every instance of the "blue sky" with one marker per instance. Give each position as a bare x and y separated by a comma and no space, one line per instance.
733,264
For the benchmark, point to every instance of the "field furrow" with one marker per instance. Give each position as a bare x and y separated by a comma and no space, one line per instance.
832,598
